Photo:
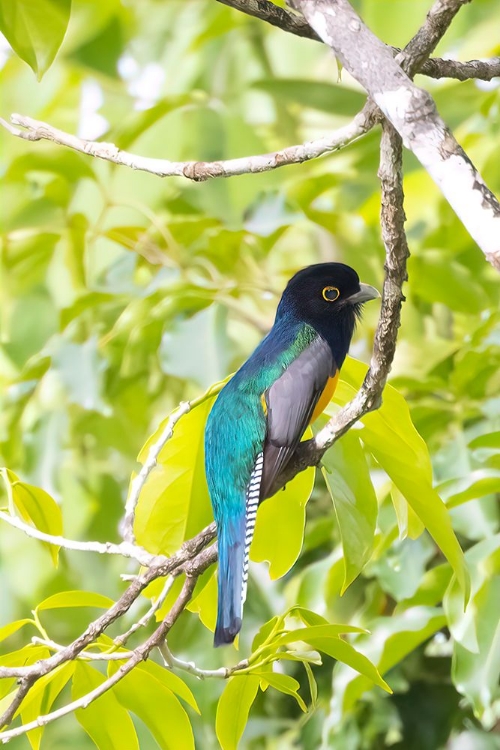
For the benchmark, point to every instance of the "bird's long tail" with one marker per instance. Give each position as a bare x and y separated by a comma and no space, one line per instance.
231,536
235,536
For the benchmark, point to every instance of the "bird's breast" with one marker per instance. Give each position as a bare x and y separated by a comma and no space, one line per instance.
326,396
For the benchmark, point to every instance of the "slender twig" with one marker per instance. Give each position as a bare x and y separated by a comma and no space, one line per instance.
148,466
188,666
124,549
121,640
436,67
84,655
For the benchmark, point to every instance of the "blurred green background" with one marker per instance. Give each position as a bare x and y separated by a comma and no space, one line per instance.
123,294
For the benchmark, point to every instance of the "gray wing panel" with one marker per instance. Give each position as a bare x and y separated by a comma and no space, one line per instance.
290,404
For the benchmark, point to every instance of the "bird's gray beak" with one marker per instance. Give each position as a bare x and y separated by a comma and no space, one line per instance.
366,292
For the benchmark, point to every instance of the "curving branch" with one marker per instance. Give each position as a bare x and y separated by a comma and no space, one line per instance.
436,67
198,171
124,549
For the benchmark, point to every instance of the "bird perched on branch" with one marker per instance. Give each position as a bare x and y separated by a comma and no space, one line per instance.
259,417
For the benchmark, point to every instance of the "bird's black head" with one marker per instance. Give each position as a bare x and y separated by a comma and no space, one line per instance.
327,296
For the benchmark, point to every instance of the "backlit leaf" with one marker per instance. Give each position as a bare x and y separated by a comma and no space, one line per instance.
35,30
233,709
36,506
348,479
104,719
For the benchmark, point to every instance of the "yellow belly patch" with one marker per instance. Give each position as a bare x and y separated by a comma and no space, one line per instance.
326,396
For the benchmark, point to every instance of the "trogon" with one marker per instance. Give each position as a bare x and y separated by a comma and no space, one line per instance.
261,414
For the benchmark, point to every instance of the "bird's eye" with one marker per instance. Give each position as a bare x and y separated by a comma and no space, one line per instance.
330,293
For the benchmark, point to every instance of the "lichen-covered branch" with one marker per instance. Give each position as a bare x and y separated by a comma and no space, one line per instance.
436,67
411,110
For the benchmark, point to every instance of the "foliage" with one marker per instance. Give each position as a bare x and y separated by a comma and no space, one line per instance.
123,294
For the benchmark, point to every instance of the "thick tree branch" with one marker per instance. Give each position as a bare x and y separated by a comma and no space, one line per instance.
284,19
412,111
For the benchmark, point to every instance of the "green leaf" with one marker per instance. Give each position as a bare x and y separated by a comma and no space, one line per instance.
477,484
391,639
325,638
391,437
233,708
489,440
313,687
174,503
171,681
326,97
13,627
283,549
36,506
155,704
35,30
284,683
348,480
205,603
41,697
464,624
104,719
436,277
75,599
475,672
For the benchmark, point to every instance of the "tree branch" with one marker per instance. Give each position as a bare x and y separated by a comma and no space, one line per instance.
192,559
412,111
198,171
124,549
139,654
292,23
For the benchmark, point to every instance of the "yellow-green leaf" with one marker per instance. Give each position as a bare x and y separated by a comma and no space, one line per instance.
174,503
391,437
75,599
348,480
284,683
35,30
104,719
41,697
233,709
205,604
35,506
156,705
13,627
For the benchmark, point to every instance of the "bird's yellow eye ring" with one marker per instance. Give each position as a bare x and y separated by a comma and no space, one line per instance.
330,293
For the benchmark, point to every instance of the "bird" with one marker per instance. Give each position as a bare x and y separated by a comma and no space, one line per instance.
259,417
